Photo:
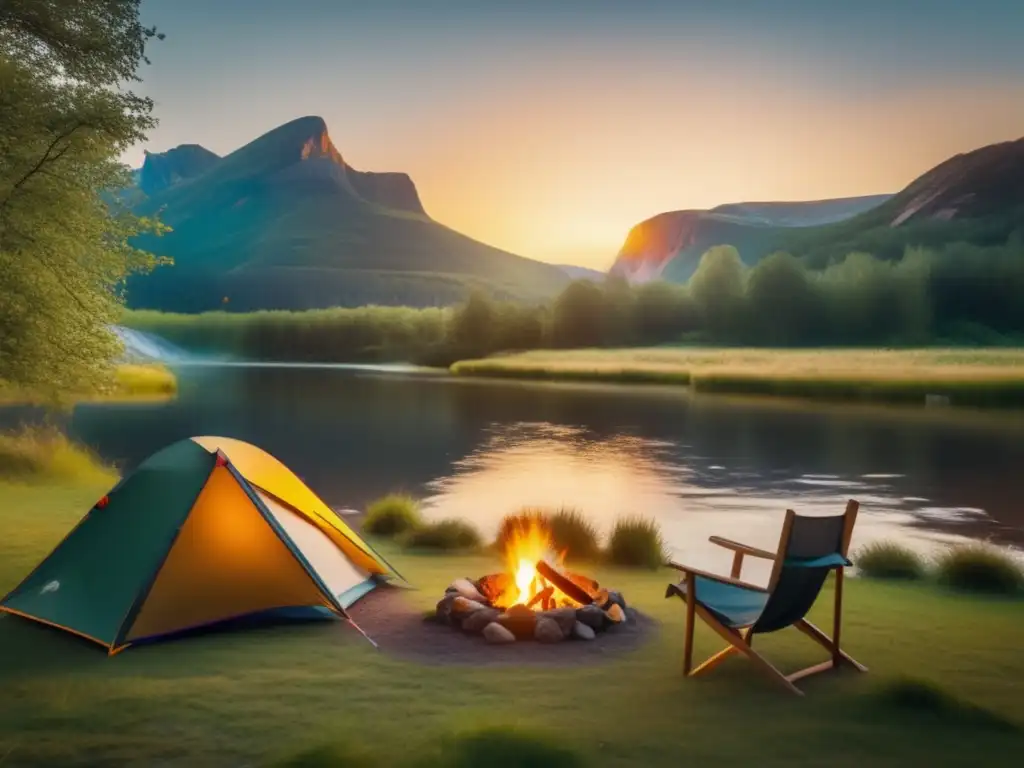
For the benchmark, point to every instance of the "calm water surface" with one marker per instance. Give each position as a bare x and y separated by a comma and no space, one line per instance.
698,464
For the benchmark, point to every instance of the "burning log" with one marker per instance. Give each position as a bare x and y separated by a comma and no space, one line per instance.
563,583
543,597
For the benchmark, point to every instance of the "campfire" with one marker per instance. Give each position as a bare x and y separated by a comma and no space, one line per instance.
535,597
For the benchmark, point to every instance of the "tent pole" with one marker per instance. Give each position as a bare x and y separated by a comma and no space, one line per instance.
360,631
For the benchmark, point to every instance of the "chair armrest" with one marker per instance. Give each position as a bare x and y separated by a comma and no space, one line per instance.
715,577
745,549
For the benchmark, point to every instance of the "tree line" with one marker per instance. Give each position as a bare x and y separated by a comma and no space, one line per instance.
960,294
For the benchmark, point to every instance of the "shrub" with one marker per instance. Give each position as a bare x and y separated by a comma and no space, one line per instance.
636,542
446,536
392,515
41,454
144,381
979,567
570,530
330,756
889,560
507,748
519,521
573,533
920,697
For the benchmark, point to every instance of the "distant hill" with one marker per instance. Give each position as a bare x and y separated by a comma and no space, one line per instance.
285,222
165,169
975,197
582,273
670,245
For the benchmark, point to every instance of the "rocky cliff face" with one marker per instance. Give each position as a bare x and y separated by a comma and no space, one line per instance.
670,245
161,170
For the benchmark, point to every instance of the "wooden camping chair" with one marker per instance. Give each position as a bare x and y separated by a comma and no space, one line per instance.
809,548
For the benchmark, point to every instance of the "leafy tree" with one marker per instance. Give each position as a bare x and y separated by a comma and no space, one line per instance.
784,306
579,316
663,312
64,232
718,289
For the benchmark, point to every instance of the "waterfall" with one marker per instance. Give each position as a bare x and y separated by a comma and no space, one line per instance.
143,347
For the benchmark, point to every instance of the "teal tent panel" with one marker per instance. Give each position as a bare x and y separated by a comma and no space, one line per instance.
90,581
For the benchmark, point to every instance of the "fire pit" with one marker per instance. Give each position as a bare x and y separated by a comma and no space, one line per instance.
535,598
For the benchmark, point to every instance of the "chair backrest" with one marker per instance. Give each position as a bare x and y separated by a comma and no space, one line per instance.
808,549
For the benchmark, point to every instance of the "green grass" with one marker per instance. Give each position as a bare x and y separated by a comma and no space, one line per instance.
130,382
889,560
978,567
37,455
986,377
443,536
636,542
260,697
392,515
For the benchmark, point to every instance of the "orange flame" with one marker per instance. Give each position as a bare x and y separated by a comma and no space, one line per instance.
529,541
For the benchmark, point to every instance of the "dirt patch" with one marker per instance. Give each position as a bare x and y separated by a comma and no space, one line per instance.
400,629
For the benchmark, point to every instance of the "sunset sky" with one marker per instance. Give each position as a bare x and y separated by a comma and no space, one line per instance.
550,127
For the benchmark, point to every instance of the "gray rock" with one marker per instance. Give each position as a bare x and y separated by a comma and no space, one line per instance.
615,598
592,616
444,609
582,632
466,588
496,634
519,620
462,607
563,617
476,621
548,631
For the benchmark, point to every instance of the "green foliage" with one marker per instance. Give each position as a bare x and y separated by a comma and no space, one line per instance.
144,381
444,536
979,567
571,532
718,288
392,515
924,698
574,534
889,560
46,455
64,232
958,294
339,755
636,542
507,748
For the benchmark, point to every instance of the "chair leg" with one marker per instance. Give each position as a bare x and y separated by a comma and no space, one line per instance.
826,642
690,603
722,655
737,640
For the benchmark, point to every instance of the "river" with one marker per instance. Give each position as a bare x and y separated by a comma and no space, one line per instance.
699,464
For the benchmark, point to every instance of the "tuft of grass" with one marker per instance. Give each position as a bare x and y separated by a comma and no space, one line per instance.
987,378
920,697
443,536
570,530
979,567
393,515
144,381
889,560
340,755
45,454
520,521
573,533
507,748
636,542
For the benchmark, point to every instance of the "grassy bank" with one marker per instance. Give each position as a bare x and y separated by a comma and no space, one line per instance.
987,377
260,696
130,382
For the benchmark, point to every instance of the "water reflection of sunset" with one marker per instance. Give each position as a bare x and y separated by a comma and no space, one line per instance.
543,465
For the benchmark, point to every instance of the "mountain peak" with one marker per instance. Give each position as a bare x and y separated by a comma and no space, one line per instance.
164,169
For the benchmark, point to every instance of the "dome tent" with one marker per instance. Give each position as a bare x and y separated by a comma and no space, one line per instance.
205,530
